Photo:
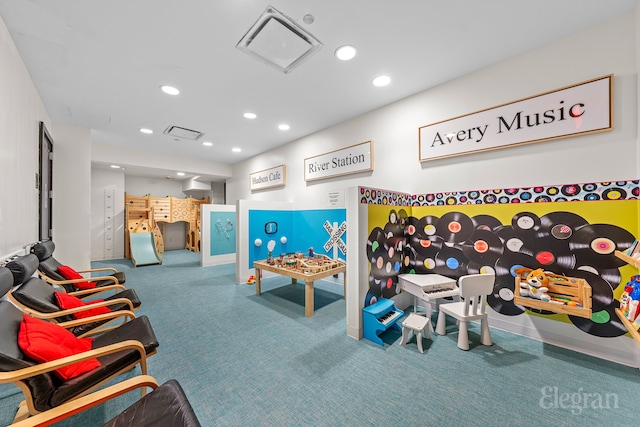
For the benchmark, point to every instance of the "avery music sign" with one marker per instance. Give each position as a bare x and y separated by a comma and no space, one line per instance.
353,159
268,178
579,109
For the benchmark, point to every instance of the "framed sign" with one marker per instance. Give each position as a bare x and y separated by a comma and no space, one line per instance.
579,109
353,159
268,178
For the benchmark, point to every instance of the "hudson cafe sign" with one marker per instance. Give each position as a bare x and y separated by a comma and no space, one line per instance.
579,109
268,178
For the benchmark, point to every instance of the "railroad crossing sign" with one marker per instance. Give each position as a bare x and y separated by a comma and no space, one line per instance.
335,240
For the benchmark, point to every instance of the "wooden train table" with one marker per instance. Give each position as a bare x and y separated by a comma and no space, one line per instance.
305,269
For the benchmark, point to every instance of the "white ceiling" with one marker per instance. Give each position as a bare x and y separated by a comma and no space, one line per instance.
99,64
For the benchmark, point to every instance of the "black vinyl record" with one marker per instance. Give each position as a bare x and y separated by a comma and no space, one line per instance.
454,227
393,230
526,221
451,262
550,254
376,240
595,245
501,300
411,226
560,225
379,263
485,222
421,264
603,323
402,218
394,245
601,290
483,247
393,217
512,239
477,268
507,263
426,247
426,227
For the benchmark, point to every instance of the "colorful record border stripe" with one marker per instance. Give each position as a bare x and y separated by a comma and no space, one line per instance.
592,191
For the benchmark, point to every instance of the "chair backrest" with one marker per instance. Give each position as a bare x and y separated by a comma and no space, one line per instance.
48,265
474,289
32,292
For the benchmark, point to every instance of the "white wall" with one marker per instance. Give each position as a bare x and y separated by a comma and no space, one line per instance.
72,195
610,48
21,110
139,186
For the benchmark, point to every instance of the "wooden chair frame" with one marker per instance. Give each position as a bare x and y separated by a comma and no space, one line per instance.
27,408
83,403
60,283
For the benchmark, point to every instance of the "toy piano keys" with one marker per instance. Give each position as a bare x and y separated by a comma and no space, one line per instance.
378,317
569,295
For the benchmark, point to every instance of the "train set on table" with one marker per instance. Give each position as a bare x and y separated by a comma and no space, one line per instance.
315,263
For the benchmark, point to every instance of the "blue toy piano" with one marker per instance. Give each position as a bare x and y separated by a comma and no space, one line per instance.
378,317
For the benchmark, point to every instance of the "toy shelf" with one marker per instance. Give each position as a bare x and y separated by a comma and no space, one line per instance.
632,331
570,288
629,260
635,334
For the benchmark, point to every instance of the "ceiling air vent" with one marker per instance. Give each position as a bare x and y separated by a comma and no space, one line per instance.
278,41
184,133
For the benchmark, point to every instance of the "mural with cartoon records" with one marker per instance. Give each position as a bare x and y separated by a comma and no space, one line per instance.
571,230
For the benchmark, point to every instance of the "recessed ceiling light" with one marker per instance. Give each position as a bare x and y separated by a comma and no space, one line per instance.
145,130
169,90
180,173
207,144
284,126
250,115
236,150
381,81
115,166
345,53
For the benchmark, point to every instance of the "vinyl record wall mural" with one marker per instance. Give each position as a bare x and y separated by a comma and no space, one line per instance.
570,230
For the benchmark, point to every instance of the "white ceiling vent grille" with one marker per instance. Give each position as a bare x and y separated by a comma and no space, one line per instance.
183,133
278,41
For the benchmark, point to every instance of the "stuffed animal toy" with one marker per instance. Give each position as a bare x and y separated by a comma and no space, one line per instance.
535,285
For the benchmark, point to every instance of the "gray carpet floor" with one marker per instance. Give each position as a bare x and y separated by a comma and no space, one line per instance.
247,360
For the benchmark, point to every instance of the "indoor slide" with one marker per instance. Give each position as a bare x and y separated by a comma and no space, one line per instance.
143,249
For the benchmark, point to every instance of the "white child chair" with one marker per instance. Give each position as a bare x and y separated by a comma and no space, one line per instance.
474,289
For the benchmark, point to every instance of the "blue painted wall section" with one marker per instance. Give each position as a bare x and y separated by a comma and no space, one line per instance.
301,228
223,233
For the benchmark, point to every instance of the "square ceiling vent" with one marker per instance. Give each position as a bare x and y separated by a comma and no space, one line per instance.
278,41
183,133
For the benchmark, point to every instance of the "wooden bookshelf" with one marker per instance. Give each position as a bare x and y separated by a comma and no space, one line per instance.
629,260
635,334
635,263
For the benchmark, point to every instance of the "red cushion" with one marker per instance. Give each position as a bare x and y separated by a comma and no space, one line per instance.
66,301
70,274
43,342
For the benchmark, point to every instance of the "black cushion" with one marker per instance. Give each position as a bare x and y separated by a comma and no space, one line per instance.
43,250
166,406
23,268
6,281
12,358
49,265
37,295
119,275
137,329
